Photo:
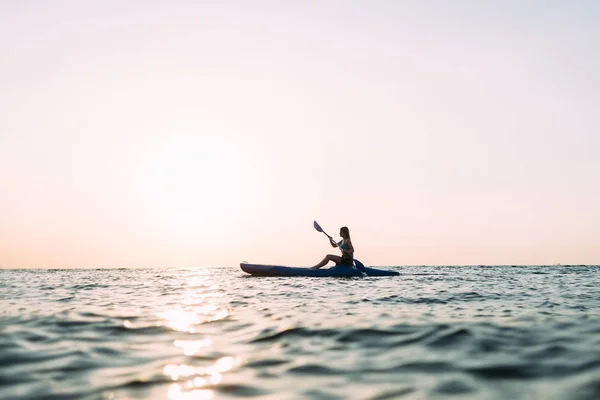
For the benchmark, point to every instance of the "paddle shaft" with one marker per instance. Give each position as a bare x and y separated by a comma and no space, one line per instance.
330,238
318,228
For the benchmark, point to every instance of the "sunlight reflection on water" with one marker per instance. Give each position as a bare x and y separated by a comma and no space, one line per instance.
212,375
177,393
198,306
186,315
191,347
175,371
180,320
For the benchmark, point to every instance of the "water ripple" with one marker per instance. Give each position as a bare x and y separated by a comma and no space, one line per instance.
481,332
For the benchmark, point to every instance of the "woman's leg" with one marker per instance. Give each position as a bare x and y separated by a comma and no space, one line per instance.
329,257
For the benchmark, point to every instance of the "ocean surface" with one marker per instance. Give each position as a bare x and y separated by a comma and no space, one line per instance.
470,332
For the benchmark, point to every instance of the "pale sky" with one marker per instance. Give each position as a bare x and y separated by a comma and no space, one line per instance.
204,133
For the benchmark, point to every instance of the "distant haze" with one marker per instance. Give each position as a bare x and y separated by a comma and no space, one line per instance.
195,133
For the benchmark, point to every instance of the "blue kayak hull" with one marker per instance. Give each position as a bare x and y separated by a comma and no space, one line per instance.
337,271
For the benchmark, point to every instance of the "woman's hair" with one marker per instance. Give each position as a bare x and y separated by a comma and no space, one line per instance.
345,232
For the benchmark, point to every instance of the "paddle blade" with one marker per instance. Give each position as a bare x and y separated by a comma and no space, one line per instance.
317,226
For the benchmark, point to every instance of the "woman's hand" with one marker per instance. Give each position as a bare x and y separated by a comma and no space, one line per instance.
333,243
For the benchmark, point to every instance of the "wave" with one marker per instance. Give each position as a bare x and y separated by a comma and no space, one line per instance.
472,332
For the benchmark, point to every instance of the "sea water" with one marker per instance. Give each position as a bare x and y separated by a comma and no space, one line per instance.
471,332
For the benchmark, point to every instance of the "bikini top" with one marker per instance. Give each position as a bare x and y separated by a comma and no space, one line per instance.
344,247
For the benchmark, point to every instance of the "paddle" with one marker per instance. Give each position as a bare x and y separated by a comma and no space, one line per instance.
319,229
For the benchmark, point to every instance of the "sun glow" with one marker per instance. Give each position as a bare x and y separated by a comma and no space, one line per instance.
192,181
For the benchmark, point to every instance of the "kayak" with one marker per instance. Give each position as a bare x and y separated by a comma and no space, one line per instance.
337,271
